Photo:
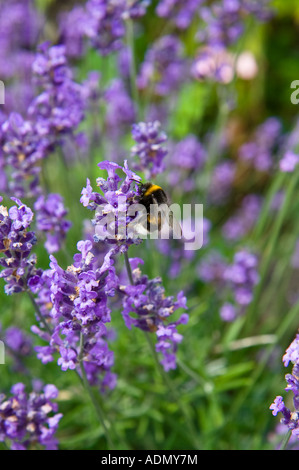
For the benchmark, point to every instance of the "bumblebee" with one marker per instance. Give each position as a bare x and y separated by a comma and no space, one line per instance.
155,200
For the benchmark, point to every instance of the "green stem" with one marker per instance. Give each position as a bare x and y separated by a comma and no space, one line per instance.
38,312
286,440
265,212
133,70
88,389
128,266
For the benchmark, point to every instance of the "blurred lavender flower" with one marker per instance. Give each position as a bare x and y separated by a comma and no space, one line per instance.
289,418
213,63
211,269
18,341
175,250
235,280
16,243
72,25
259,151
20,24
50,218
180,11
151,308
242,276
149,147
23,148
228,312
164,67
288,162
240,224
55,113
60,106
225,20
136,8
120,112
28,420
105,25
222,182
184,159
102,22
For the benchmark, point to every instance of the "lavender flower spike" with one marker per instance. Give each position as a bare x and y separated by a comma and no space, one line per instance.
50,219
149,147
112,214
16,243
290,418
151,308
28,420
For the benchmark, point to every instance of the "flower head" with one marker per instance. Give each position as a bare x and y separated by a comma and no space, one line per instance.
163,68
29,419
75,303
16,243
290,418
50,219
149,147
112,208
146,300
23,149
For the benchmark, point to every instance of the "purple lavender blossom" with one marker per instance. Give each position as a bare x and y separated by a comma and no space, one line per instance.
181,12
18,341
175,250
213,63
259,151
149,147
50,219
112,209
16,243
211,269
75,302
60,106
222,180
20,24
184,159
242,276
240,224
99,22
288,162
136,8
228,312
290,418
23,149
225,20
105,24
151,308
163,69
235,280
27,420
72,25
120,111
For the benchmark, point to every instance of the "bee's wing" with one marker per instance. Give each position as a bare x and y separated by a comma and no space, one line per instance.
176,226
169,222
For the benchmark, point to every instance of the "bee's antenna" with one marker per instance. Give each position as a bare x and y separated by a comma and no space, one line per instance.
136,181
